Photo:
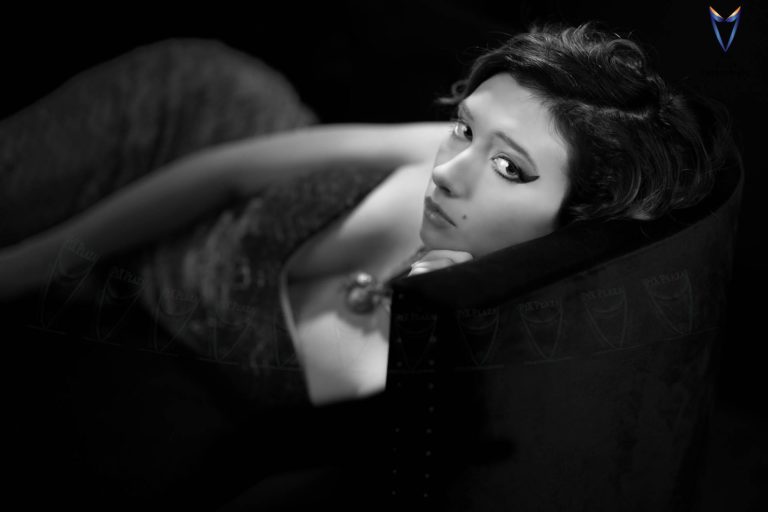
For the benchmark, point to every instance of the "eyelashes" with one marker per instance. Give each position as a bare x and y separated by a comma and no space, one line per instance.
501,164
456,124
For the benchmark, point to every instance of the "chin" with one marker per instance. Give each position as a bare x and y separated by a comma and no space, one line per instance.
435,240
429,238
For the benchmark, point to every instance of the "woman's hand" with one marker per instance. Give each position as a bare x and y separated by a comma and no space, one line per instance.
436,259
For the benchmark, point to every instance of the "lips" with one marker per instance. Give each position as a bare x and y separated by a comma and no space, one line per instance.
431,205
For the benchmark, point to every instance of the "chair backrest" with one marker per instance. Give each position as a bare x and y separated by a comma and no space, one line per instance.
570,372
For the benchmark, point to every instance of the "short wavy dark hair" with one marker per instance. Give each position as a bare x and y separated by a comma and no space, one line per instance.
637,146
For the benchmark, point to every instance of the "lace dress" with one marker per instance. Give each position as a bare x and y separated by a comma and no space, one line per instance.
216,290
212,288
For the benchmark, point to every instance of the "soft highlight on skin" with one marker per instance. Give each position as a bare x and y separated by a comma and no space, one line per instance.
495,206
638,147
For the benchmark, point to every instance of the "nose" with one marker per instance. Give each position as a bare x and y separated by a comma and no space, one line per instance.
453,176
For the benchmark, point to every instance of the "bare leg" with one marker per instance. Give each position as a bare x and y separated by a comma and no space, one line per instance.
115,122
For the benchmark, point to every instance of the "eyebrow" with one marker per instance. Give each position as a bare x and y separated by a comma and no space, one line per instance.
464,110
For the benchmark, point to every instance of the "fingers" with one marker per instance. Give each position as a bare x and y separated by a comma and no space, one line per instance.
428,266
454,256
438,259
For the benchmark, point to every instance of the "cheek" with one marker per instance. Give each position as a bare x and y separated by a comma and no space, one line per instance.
509,220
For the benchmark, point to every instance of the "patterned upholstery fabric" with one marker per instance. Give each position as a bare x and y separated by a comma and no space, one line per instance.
573,372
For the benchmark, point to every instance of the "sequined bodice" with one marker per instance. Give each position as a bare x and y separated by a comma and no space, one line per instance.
215,289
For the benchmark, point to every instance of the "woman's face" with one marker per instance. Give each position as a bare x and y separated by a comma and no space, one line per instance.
500,175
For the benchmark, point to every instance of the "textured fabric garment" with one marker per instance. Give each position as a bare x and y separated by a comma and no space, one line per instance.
216,289
165,377
115,122
211,287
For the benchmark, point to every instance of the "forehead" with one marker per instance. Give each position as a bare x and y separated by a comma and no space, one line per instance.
501,103
502,99
506,96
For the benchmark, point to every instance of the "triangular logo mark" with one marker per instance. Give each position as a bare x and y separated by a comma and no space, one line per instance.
718,21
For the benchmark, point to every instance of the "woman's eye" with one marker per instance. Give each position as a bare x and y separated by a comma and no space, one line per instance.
461,130
507,169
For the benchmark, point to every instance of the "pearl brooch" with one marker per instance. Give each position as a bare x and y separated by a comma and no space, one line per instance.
363,292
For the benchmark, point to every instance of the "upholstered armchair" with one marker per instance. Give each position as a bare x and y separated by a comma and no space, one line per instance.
573,372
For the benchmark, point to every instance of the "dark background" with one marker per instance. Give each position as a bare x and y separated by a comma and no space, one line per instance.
387,61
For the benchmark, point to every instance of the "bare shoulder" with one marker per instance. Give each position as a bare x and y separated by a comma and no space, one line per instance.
383,227
395,205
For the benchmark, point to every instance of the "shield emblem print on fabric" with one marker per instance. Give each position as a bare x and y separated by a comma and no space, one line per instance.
416,332
543,320
607,313
71,268
120,293
720,23
478,328
672,297
175,312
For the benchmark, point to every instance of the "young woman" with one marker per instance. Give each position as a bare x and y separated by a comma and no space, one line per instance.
557,125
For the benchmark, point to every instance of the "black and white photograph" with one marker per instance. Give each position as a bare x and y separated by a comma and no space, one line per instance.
382,256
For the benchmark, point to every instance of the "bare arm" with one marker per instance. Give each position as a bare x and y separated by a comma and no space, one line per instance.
283,155
177,194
